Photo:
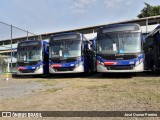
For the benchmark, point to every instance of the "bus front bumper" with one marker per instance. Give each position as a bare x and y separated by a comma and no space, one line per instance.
138,68
35,72
78,69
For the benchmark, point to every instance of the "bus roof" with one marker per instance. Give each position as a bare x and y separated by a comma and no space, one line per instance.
63,36
120,27
154,31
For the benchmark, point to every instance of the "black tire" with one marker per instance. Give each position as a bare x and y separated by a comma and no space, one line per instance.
154,69
103,74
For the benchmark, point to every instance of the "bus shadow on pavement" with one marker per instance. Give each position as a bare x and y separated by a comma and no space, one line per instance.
91,75
123,75
112,75
148,74
71,75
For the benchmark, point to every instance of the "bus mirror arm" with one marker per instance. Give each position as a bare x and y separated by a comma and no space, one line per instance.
47,49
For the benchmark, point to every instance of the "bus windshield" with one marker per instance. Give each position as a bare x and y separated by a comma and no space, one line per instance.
123,42
65,48
29,53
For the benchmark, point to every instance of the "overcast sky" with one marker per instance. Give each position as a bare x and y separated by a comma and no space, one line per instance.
43,16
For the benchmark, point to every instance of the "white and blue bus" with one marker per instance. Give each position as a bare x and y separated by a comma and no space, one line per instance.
70,53
119,48
32,57
151,49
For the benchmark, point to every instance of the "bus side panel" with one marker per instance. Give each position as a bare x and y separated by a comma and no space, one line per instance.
89,57
45,58
93,55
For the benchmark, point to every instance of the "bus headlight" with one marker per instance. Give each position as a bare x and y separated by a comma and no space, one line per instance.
78,64
139,62
39,67
100,63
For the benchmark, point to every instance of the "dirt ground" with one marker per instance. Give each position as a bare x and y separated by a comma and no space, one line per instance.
112,92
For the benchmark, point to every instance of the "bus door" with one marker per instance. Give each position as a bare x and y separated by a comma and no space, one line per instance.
149,50
157,37
90,57
85,55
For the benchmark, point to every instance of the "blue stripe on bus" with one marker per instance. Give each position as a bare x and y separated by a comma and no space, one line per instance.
32,67
69,64
122,62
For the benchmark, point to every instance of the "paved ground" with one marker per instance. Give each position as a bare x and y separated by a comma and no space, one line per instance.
117,92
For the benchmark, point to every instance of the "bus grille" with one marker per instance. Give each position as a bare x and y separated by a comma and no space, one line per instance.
126,67
64,69
27,71
27,63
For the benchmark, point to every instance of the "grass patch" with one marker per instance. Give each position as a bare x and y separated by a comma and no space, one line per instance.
53,90
152,81
48,82
98,87
90,84
33,91
142,95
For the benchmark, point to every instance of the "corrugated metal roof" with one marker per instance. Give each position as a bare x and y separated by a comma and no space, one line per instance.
90,36
97,26
8,47
148,29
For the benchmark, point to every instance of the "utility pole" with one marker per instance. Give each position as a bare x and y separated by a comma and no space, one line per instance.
147,26
11,46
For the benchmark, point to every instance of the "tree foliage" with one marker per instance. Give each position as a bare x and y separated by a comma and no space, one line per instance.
149,10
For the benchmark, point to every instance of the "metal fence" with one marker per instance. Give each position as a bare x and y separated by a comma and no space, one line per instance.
9,38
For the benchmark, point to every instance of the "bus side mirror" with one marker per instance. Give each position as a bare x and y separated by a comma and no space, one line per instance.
89,46
47,49
82,47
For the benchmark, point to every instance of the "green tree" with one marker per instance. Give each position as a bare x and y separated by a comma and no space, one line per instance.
149,10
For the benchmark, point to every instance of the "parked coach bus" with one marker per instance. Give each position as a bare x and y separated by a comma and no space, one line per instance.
119,48
70,53
32,57
152,50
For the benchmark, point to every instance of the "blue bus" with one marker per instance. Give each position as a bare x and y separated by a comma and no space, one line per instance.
71,53
32,57
151,49
119,48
